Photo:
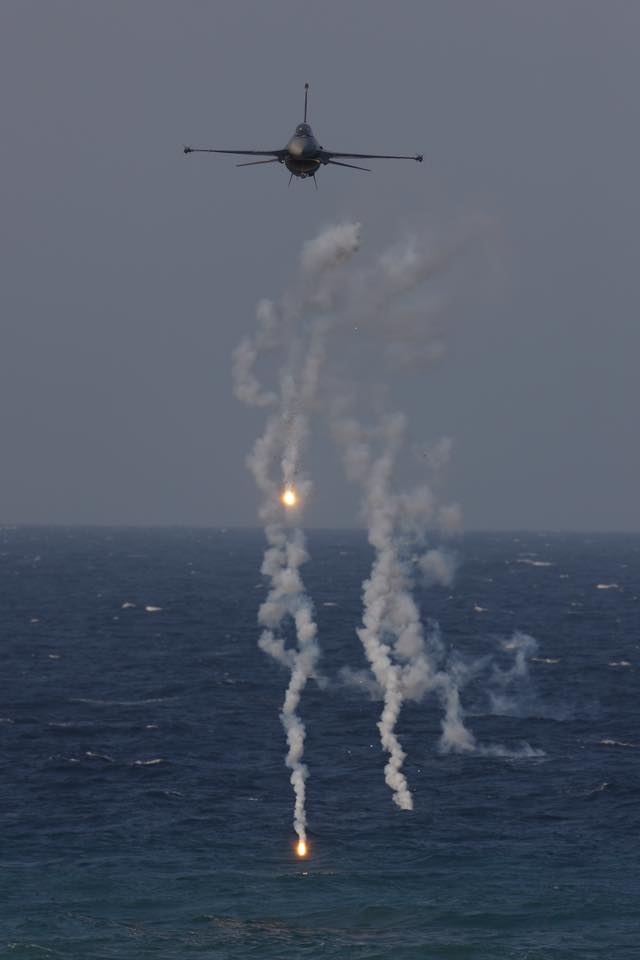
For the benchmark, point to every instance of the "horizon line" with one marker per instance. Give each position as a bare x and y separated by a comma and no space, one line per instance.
246,527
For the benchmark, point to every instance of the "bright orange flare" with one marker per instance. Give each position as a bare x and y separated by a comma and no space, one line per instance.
289,497
301,849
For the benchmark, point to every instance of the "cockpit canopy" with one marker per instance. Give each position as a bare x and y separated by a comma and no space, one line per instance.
303,130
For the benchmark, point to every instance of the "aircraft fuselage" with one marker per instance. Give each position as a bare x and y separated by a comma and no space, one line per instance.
303,156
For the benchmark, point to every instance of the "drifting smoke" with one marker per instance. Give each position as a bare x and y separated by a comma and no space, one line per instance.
392,301
276,463
450,520
331,248
437,567
391,632
439,455
509,687
399,301
247,387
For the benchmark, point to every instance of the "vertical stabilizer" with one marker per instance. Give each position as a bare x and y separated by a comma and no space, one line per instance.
306,94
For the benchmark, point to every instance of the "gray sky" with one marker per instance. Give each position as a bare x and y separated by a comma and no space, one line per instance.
129,271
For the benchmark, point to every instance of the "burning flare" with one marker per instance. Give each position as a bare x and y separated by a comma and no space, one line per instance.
301,848
289,497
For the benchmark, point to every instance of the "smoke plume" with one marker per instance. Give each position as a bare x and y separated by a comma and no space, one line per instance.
298,330
396,306
392,633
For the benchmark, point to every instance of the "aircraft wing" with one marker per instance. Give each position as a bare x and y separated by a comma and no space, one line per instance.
328,155
251,153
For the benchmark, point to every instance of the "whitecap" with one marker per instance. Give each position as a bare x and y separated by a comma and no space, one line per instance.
6,720
150,609
479,609
69,725
329,603
619,663
607,586
544,660
127,605
119,703
599,789
54,656
149,763
525,752
534,563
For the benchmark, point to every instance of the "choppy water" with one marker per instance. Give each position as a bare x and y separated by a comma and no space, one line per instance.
146,811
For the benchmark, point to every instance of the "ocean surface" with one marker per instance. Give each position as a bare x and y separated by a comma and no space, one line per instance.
145,809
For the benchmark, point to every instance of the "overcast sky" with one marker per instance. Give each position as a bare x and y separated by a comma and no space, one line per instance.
129,271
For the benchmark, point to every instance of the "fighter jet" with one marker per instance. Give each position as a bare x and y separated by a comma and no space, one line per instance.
303,156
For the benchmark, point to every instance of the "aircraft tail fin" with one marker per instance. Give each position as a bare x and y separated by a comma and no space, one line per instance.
306,93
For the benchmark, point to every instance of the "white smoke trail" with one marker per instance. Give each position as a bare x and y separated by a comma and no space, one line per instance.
394,300
392,633
400,302
332,247
287,598
299,330
247,386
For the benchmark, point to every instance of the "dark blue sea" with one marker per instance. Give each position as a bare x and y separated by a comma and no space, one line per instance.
146,811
